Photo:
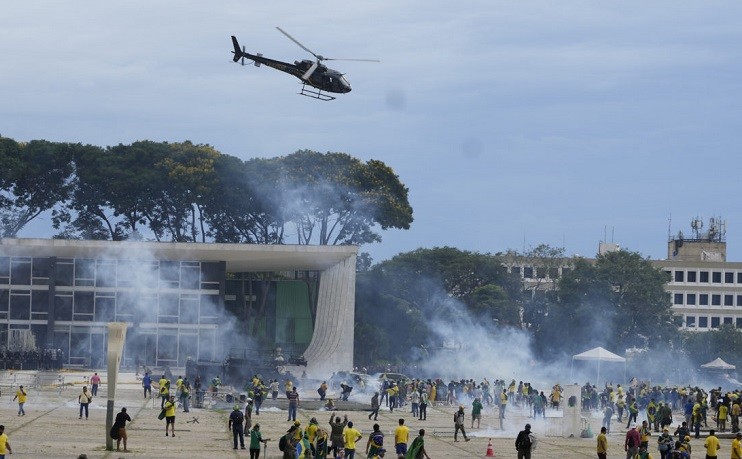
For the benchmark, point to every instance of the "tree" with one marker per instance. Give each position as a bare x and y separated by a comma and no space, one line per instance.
333,198
35,178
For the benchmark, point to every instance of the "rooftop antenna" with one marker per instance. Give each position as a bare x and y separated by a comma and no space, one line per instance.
697,225
669,227
613,232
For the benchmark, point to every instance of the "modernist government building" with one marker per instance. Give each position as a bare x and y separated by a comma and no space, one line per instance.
181,300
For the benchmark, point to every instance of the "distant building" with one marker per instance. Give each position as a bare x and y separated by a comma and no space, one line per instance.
180,299
705,289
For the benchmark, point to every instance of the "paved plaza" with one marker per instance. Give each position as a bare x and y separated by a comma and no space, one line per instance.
51,428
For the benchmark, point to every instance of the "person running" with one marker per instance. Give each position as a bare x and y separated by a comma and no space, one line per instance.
401,437
236,418
119,426
602,443
417,448
170,414
458,421
4,443
20,395
84,400
524,443
256,438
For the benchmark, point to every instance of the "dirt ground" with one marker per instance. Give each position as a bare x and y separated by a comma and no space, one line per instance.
51,428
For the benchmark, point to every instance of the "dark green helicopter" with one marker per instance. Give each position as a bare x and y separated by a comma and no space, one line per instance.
315,76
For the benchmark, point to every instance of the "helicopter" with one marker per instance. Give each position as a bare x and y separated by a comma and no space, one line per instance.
317,79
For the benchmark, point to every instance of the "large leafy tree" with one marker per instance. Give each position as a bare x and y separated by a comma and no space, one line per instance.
35,178
333,198
619,302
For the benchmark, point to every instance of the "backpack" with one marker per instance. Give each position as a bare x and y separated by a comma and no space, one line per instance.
282,443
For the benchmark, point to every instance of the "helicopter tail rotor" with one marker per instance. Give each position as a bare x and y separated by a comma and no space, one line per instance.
237,51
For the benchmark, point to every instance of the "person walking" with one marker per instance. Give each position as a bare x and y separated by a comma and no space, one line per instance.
21,396
476,412
524,443
458,421
94,383
375,442
401,437
248,416
119,426
374,406
84,400
602,443
147,385
607,415
256,438
4,443
631,442
293,397
423,409
417,448
236,418
170,414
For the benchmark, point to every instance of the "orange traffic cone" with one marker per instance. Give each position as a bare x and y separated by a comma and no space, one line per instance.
490,450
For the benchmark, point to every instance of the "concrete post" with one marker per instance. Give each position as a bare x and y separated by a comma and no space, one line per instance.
116,339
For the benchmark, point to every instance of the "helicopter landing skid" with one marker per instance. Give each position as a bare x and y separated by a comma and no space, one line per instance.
311,91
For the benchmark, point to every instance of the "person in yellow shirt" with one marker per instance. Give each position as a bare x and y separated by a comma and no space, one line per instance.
164,385
4,443
311,432
170,414
20,394
350,437
401,437
602,444
736,446
712,445
721,416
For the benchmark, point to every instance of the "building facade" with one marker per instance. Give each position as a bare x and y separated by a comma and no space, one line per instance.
179,299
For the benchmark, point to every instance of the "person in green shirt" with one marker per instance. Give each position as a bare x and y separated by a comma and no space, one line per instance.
256,439
476,412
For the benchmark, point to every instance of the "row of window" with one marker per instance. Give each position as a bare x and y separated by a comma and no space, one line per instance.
705,277
80,272
529,272
702,299
716,321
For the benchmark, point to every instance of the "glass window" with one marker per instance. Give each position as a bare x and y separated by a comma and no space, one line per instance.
678,298
739,322
690,298
528,272
715,300
739,278
4,266
83,302
40,300
20,271
727,321
20,304
703,322
541,273
515,270
169,303
679,276
105,273
728,278
63,307
704,277
65,273
190,277
690,321
105,309
716,277
553,273
715,322
691,276
739,300
703,299
41,267
728,300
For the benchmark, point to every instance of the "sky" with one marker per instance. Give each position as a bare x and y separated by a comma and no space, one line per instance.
512,123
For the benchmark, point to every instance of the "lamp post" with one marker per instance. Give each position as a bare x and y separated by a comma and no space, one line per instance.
116,339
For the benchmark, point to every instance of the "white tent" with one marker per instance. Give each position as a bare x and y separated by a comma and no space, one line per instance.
600,355
718,364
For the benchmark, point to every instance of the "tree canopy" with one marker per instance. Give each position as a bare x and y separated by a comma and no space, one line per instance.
188,192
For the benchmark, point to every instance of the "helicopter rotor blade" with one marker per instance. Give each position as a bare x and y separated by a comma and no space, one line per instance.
243,56
355,60
311,70
300,45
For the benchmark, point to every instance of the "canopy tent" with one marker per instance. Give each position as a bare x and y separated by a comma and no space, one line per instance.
600,354
718,364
